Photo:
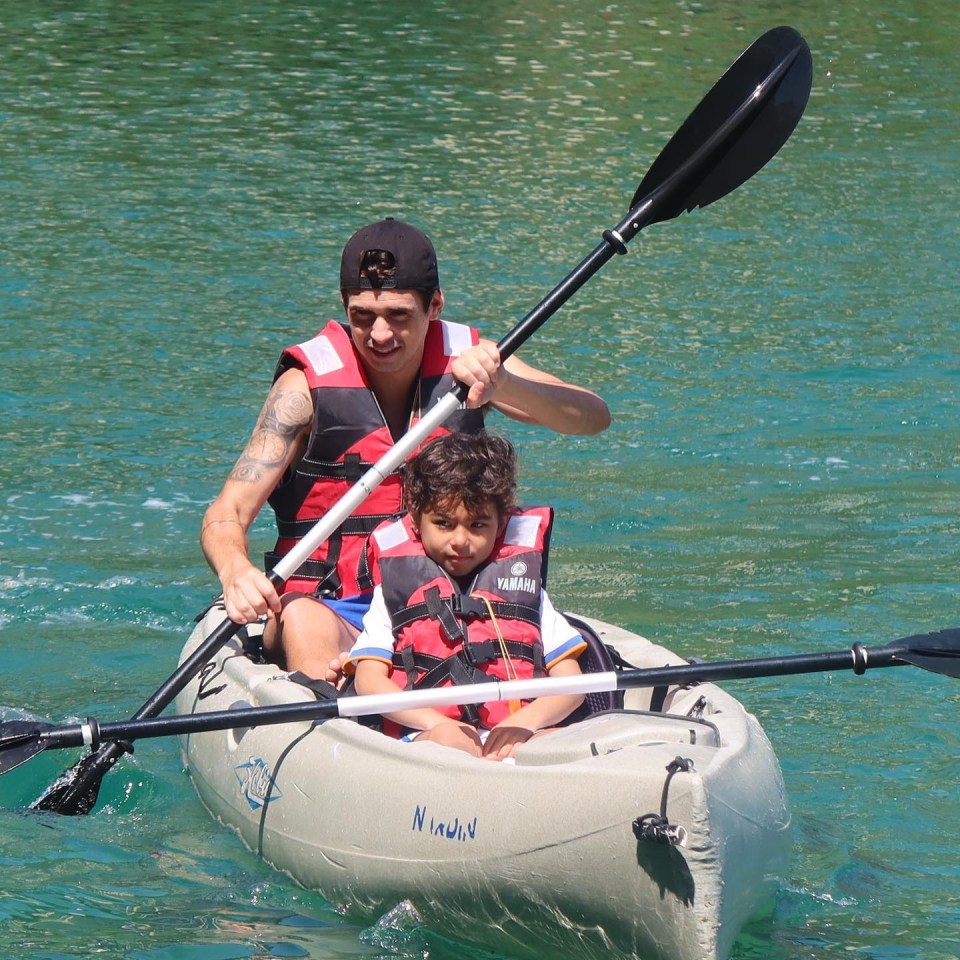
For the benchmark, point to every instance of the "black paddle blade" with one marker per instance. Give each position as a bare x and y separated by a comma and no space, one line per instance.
737,127
937,652
20,741
75,792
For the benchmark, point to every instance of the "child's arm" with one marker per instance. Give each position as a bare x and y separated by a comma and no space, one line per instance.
519,727
372,676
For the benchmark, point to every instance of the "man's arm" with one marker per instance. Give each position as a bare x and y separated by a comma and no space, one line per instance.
529,395
275,444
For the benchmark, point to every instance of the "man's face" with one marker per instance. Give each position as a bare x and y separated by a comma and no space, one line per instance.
389,328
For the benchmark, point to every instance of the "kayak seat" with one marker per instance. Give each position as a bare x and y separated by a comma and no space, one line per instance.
599,657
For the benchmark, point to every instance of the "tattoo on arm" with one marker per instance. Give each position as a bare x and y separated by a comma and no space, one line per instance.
282,420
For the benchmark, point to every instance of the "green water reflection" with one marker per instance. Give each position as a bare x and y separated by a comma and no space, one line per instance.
782,474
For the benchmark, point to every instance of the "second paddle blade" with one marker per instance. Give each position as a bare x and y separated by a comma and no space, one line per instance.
20,741
937,652
75,792
737,127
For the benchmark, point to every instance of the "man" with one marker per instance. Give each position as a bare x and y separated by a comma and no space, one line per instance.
339,401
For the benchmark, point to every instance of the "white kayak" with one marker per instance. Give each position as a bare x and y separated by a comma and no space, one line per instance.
652,834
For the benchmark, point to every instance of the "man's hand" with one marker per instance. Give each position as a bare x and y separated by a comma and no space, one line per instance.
248,594
478,367
524,393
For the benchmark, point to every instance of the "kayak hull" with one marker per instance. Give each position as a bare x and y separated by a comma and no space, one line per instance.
545,854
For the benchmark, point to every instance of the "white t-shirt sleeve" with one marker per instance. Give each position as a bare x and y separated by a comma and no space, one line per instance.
375,641
560,638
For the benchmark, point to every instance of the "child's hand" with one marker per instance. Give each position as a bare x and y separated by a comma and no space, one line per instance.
452,733
502,741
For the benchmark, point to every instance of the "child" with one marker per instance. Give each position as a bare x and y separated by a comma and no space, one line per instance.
460,598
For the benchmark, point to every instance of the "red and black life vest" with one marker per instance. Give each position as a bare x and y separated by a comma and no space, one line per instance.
444,636
348,435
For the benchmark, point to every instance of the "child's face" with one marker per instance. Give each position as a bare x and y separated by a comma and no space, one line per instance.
457,538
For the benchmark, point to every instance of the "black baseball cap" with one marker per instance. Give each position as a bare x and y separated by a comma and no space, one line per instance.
414,257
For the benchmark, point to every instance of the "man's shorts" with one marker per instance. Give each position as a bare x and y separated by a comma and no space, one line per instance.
351,609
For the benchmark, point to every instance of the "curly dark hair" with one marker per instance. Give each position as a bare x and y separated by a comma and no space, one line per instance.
474,469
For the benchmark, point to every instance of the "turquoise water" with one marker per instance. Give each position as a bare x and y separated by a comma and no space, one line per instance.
782,474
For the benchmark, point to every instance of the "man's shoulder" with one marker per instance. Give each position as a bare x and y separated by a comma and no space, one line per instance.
328,351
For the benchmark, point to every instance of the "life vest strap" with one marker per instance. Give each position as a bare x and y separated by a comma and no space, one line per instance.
361,526
447,609
322,571
350,469
436,609
464,667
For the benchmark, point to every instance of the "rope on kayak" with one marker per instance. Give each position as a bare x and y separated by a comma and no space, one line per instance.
657,826
511,670
211,670
697,710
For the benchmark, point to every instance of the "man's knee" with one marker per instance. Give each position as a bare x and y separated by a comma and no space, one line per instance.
302,614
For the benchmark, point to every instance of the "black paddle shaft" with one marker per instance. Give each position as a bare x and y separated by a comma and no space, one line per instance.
110,734
735,130
936,652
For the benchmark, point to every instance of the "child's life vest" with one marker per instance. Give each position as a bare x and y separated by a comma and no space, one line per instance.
444,636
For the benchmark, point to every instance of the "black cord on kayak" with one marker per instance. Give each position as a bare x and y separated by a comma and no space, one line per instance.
657,826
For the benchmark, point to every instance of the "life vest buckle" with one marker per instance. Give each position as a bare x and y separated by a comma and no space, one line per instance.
469,606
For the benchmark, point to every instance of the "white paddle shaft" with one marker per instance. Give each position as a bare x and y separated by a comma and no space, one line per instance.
369,482
476,693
